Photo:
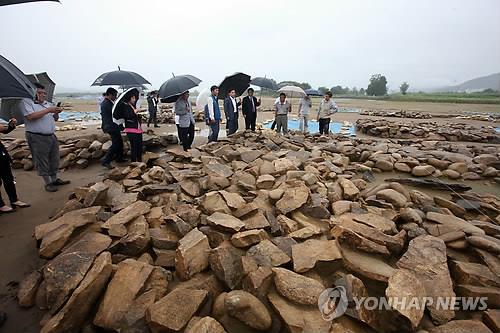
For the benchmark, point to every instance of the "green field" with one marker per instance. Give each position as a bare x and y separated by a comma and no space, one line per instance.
465,98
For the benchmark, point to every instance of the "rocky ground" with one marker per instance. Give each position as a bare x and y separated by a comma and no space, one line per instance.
456,131
493,117
244,235
79,151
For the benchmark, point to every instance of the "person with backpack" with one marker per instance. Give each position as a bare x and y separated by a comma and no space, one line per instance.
213,115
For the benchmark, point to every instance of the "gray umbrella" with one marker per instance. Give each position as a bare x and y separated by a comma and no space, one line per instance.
15,2
171,89
120,78
13,82
46,81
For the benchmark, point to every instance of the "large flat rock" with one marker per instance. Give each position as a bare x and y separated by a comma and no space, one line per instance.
426,259
297,288
127,282
191,256
368,265
74,313
307,254
173,312
128,214
298,318
453,223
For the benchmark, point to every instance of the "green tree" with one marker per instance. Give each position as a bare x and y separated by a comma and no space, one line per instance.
377,86
303,85
404,87
338,90
362,91
323,90
354,91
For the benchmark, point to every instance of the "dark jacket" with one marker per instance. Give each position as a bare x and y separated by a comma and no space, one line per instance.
246,106
229,108
125,111
107,117
152,103
3,150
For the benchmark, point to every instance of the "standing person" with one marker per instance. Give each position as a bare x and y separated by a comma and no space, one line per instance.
128,111
100,99
305,105
326,108
231,111
186,120
6,176
40,120
115,152
249,109
176,120
153,108
281,110
213,115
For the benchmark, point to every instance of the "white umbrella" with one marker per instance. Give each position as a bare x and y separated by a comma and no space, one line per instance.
292,91
202,99
119,101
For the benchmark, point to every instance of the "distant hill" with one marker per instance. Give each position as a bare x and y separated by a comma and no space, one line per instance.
478,84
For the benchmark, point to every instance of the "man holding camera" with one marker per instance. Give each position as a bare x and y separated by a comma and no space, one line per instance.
40,119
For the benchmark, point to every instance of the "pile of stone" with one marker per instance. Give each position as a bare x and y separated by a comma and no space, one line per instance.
396,114
81,150
428,130
245,235
166,114
481,117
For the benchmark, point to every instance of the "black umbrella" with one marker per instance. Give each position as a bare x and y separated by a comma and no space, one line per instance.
120,78
45,80
15,2
171,89
264,82
313,92
238,81
13,82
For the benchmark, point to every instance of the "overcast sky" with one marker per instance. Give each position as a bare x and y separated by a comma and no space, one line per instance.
426,42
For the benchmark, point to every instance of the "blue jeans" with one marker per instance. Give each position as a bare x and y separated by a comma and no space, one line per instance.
213,134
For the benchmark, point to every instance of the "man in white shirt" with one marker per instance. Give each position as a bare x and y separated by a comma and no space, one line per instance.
40,119
231,111
326,109
305,105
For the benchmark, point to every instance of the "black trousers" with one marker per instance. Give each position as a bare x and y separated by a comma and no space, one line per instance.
232,125
115,152
152,118
135,140
324,126
6,176
186,135
250,119
179,133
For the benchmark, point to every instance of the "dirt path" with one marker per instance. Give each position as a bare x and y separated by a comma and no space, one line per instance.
18,250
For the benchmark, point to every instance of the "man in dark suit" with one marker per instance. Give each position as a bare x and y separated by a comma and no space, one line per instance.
153,108
231,111
249,108
115,152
